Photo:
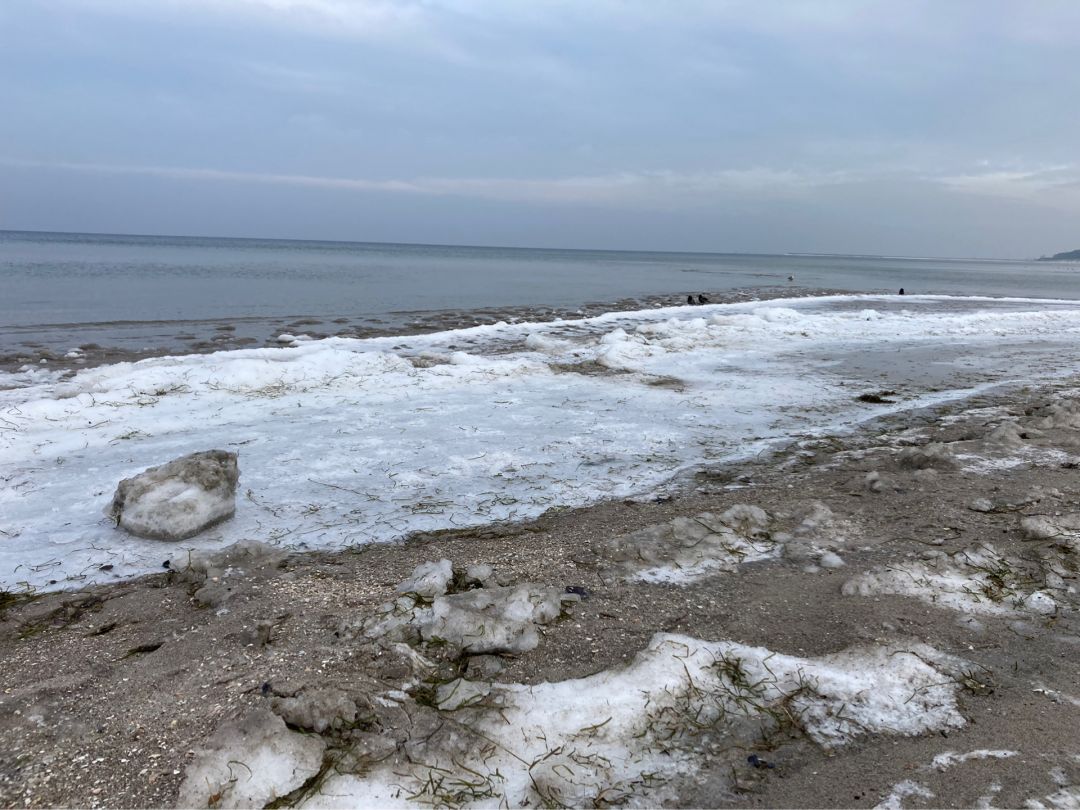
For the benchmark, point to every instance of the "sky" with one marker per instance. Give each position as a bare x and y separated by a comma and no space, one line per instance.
909,127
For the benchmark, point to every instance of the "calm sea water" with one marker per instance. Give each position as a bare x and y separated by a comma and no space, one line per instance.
60,278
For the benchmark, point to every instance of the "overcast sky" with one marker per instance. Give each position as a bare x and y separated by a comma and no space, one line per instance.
941,127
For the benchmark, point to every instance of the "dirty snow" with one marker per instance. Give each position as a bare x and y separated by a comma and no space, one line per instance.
345,442
947,759
977,580
626,732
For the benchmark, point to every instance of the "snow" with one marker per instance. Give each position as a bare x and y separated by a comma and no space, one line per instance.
901,791
621,734
249,763
688,549
977,580
947,759
345,442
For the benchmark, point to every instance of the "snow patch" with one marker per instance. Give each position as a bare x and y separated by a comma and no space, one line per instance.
621,734
977,580
688,549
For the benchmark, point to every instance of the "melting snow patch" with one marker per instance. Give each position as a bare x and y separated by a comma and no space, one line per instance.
688,549
250,762
622,734
977,580
901,791
483,620
947,759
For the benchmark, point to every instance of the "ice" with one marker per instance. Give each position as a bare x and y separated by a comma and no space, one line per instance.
179,499
346,442
486,619
620,735
316,709
249,763
428,580
492,620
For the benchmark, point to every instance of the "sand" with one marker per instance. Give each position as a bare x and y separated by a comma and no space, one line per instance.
108,695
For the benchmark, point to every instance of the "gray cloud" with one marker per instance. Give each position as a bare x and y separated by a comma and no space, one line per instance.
810,114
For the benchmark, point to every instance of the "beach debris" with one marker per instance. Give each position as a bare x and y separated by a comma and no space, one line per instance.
976,580
754,761
878,397
624,734
179,499
250,762
687,549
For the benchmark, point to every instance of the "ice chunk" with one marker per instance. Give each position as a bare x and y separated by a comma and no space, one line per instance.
249,763
179,499
934,455
316,709
429,579
492,620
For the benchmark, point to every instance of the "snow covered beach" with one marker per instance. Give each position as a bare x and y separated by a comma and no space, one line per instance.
345,442
809,552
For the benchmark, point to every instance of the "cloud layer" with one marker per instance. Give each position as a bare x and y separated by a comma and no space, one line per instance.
919,127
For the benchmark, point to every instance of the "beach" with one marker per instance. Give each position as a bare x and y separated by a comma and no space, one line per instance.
797,551
896,628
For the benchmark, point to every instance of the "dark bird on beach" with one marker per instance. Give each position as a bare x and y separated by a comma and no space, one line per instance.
791,278
901,291
701,299
689,299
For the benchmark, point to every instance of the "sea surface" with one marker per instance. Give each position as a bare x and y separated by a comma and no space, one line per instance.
138,292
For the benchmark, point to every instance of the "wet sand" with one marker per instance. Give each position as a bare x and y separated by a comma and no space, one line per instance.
108,695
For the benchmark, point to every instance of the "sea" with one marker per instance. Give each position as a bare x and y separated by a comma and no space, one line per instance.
522,397
59,290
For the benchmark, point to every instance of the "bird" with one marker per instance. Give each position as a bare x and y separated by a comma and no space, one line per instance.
701,299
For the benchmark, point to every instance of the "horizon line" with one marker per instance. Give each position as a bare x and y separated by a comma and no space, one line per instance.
789,253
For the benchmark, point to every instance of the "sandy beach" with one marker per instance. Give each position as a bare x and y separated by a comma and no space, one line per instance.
912,584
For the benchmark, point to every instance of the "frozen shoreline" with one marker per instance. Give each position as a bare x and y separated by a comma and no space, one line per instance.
347,441
133,340
926,662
